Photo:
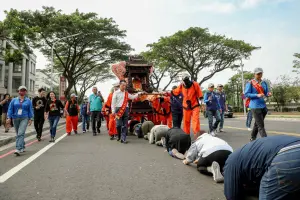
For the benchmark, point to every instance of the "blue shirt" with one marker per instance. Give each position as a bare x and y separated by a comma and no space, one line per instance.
251,92
15,105
83,109
95,103
248,164
176,103
222,99
212,104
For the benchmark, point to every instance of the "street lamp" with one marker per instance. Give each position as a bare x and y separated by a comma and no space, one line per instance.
52,48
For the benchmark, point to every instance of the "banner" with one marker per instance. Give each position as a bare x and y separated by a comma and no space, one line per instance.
62,88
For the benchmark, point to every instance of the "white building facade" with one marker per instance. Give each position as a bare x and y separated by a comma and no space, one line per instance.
13,75
43,80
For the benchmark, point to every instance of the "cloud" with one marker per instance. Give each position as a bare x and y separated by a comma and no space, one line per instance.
230,6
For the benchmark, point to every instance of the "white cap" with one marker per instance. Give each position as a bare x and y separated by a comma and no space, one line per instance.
211,85
73,95
22,87
258,70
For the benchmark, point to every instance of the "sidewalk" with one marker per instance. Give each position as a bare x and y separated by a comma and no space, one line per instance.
6,138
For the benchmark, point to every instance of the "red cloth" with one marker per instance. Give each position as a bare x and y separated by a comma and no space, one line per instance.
71,122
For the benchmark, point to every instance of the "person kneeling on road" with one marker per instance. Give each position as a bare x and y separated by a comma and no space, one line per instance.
157,133
177,142
271,164
210,154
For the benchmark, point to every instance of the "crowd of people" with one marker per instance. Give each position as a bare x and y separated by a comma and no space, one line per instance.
268,166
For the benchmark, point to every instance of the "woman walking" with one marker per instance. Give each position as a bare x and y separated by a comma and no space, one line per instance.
21,112
52,113
5,103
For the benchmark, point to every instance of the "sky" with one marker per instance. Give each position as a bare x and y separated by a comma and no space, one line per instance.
271,24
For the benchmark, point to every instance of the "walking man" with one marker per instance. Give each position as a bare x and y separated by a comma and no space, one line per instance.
222,100
84,116
72,110
39,104
213,109
176,108
120,110
257,90
95,107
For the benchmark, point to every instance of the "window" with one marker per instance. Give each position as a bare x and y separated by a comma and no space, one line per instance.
17,68
16,83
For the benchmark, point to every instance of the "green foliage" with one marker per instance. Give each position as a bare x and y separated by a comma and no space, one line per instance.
297,63
99,45
196,49
15,57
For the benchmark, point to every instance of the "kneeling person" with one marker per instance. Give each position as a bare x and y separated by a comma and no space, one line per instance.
177,142
210,154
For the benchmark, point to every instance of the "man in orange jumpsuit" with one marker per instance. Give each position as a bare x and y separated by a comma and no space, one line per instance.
112,127
72,110
192,93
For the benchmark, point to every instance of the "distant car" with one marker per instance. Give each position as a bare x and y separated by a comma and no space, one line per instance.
228,114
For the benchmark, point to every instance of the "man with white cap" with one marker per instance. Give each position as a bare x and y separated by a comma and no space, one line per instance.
21,112
72,111
213,108
257,90
210,154
222,100
192,94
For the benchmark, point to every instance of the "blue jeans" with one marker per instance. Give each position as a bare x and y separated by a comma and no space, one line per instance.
249,119
53,121
222,119
282,179
20,125
122,124
85,122
211,114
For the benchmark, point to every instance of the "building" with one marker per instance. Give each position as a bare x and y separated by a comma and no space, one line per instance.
13,75
43,80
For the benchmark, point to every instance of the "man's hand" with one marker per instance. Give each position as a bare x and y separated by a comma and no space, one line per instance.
269,94
46,116
210,98
221,111
260,95
185,162
196,162
29,122
8,122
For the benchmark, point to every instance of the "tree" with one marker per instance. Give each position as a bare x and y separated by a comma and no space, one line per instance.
90,79
297,63
162,70
195,50
98,45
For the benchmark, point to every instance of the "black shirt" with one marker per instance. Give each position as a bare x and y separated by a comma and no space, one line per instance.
54,107
176,138
41,102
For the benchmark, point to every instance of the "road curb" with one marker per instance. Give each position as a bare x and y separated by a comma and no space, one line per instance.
275,119
13,139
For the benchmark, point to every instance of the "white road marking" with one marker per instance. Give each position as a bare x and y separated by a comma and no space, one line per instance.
13,144
23,164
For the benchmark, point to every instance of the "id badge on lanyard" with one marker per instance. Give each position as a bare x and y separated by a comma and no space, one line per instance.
20,109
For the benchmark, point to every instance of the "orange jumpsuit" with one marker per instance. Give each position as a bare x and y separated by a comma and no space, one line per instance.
72,121
190,113
112,126
163,111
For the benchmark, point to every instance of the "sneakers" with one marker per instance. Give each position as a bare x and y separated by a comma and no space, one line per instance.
87,130
118,139
17,153
68,134
124,142
22,150
112,138
213,133
98,131
177,154
217,175
94,134
221,130
39,139
83,131
75,132
52,139
249,129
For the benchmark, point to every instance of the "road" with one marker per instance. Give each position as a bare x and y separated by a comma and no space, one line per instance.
85,167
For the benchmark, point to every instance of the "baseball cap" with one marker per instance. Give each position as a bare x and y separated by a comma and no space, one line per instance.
220,85
22,87
258,70
211,85
73,95
116,84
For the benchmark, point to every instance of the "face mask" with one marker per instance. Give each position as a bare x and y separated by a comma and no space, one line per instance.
22,93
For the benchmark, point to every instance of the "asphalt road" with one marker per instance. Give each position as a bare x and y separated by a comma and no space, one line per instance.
83,167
